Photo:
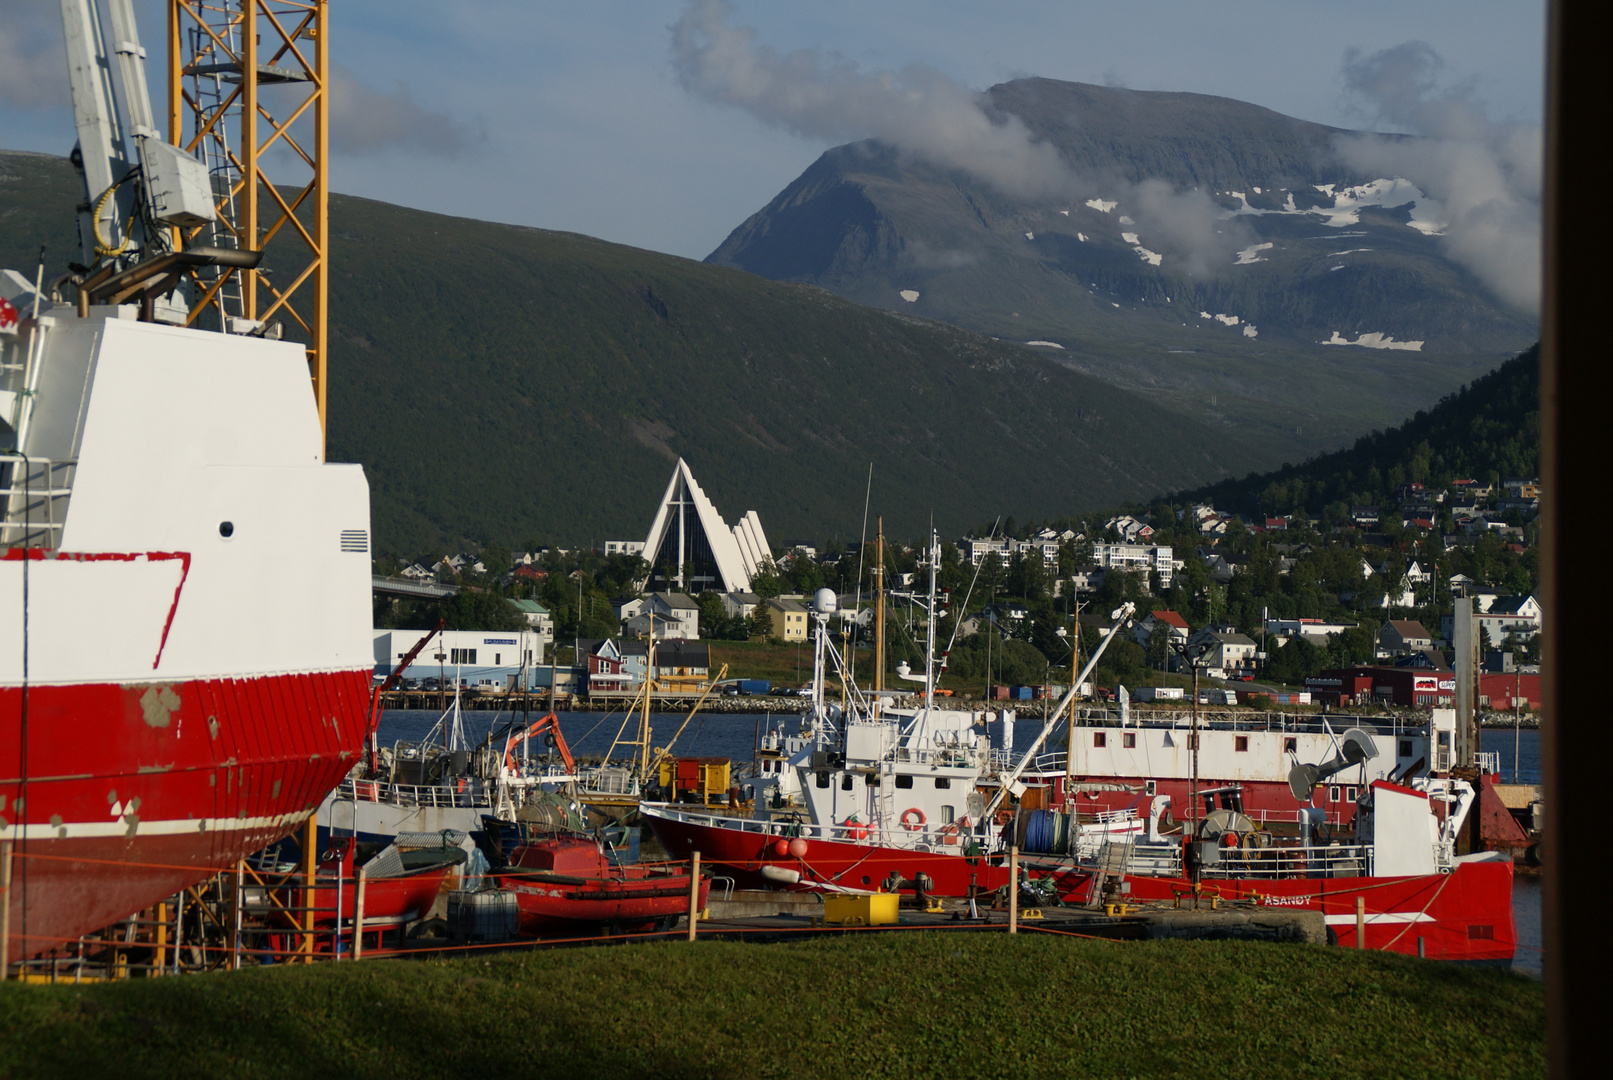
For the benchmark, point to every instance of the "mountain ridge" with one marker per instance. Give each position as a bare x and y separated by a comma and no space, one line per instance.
1306,251
514,384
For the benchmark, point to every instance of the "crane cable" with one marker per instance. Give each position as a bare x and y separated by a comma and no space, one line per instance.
103,246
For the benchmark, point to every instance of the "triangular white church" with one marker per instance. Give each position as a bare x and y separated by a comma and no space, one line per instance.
688,532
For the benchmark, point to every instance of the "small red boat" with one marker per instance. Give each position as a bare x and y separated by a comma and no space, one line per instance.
568,884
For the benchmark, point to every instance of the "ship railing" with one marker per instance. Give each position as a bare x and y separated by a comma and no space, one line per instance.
1489,761
948,756
927,837
34,494
1334,860
423,795
608,781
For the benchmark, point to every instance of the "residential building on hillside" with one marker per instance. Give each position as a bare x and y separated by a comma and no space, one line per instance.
1129,529
1228,650
1399,637
740,604
1317,630
975,549
675,615
1137,559
624,547
537,618
786,619
1175,625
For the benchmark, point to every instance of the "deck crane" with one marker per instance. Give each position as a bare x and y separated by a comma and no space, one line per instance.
139,191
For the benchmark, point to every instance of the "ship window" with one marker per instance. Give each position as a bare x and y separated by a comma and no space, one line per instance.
943,782
1100,738
1333,794
846,780
903,780
823,779
1405,748
947,815
1240,743
1129,740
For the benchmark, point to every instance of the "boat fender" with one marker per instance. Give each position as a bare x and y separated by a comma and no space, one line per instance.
913,819
798,848
781,874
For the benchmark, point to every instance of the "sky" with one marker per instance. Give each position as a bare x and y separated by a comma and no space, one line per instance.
609,118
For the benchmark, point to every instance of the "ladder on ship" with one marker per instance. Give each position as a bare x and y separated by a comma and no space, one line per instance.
1113,859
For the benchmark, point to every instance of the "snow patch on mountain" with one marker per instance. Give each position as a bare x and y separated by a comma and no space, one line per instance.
910,295
1046,344
1250,255
1375,341
1103,206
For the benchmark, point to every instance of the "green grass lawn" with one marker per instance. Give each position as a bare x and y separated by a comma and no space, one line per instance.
907,1004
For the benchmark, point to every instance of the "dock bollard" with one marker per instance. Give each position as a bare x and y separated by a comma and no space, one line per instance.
694,892
358,913
1013,889
5,908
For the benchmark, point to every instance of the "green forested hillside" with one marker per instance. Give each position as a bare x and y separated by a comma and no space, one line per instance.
1486,430
516,385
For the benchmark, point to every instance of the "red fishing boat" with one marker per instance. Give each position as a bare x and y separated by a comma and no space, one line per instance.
899,793
171,697
569,885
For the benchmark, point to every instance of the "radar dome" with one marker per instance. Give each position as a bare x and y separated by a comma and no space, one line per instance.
823,601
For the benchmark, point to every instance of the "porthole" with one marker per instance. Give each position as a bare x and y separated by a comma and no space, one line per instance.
226,529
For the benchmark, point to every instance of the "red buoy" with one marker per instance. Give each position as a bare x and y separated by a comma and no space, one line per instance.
781,848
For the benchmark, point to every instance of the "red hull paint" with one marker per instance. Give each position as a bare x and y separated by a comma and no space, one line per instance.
186,777
1465,915
567,883
628,904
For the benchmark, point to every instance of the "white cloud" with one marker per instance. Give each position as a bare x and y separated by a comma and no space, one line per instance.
1482,179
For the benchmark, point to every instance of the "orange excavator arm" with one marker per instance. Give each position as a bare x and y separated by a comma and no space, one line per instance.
551,722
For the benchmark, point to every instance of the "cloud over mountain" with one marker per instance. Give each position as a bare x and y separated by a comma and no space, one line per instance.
1482,177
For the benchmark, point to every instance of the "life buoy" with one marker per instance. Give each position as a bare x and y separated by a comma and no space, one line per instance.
912,819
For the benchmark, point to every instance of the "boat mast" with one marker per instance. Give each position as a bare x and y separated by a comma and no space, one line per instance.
879,617
1075,667
644,716
929,622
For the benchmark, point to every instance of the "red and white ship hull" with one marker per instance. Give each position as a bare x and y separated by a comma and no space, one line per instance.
184,615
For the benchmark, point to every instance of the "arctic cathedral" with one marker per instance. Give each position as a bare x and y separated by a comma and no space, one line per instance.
690,547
